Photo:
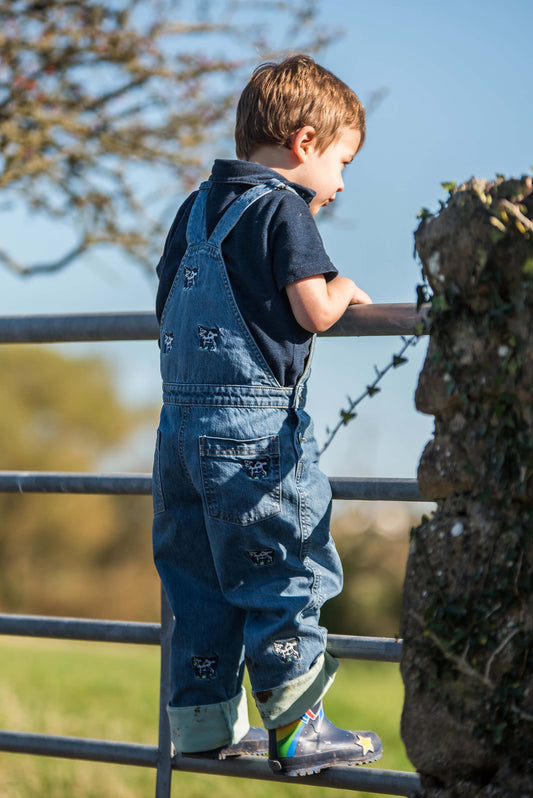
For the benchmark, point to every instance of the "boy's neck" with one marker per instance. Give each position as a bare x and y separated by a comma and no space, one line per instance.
280,159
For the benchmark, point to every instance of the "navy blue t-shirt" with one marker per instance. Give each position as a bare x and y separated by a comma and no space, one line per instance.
275,243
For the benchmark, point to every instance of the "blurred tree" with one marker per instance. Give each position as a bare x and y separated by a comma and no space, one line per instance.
69,554
95,97
373,559
91,555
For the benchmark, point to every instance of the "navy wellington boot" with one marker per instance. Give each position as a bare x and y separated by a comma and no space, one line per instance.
312,743
254,743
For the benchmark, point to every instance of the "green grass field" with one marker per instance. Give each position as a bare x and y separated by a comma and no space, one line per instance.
110,691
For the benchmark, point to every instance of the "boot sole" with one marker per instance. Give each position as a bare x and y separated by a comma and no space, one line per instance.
224,754
308,768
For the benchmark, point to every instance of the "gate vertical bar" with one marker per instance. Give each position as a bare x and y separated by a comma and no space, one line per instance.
164,766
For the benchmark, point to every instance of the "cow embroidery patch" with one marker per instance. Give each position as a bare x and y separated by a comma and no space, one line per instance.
261,557
205,667
168,340
287,649
190,273
258,468
208,338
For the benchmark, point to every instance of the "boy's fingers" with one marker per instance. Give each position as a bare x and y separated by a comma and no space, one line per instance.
360,298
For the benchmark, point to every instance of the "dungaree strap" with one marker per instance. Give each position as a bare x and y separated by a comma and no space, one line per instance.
196,226
240,205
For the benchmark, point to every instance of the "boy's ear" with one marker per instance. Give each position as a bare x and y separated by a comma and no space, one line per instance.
302,141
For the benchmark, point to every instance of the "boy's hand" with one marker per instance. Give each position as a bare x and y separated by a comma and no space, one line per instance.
359,297
318,304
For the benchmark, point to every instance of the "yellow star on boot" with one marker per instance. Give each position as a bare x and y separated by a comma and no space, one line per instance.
365,743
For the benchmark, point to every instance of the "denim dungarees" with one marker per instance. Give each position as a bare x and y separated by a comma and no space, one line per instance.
241,510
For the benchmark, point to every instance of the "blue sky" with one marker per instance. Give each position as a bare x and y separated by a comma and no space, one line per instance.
458,103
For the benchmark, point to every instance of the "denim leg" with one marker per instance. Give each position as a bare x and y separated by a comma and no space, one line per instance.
207,706
268,512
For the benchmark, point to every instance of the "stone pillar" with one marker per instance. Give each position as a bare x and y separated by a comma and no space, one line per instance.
467,618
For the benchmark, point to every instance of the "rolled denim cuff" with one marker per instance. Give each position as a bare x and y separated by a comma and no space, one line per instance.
283,704
200,728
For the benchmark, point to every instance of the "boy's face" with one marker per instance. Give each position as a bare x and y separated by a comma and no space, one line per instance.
322,171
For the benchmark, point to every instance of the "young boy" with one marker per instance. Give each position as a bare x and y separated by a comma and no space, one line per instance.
241,509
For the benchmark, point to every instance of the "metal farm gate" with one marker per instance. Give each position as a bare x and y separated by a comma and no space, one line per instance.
386,319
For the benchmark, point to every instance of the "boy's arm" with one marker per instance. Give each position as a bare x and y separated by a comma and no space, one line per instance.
317,304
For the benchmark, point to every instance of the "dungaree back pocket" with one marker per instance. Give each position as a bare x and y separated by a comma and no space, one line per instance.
241,479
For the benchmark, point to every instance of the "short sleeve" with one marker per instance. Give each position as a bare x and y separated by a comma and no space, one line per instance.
173,252
183,212
295,243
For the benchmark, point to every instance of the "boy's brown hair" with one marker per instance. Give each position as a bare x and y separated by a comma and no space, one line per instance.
280,99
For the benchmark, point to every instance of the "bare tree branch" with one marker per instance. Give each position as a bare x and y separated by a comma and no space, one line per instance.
42,268
101,103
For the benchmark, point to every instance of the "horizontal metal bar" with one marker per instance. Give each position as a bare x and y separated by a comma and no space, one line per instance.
79,748
382,649
384,782
80,629
47,329
375,489
380,319
64,482
360,488
372,649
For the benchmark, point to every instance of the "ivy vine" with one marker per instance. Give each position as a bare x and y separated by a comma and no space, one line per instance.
348,414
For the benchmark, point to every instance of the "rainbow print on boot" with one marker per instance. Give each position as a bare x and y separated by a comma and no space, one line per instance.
312,743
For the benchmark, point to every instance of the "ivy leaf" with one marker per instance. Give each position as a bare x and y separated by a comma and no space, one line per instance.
527,268
439,304
347,417
422,295
397,360
449,185
495,222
